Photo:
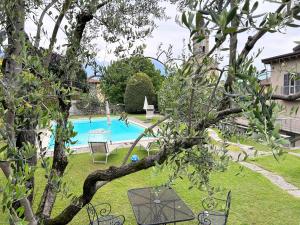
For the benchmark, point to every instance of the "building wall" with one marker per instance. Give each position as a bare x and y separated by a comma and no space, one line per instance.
95,90
201,48
277,75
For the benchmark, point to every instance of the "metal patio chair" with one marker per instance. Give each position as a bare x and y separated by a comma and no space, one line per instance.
99,148
211,217
100,215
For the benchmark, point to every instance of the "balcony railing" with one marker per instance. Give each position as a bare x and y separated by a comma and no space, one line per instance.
290,90
289,124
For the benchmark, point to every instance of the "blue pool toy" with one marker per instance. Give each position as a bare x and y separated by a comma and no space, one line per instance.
134,158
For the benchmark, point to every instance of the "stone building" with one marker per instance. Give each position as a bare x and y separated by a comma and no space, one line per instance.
285,80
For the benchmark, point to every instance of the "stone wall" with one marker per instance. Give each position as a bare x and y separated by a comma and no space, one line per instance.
76,111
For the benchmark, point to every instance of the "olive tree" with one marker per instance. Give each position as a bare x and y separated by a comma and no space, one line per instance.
204,100
28,83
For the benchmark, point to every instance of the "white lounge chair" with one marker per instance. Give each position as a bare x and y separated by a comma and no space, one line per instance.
99,148
150,146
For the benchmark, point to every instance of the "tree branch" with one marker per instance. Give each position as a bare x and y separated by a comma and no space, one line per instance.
140,137
5,167
105,176
99,6
286,97
253,39
65,7
101,184
233,49
60,159
40,23
219,116
89,187
28,212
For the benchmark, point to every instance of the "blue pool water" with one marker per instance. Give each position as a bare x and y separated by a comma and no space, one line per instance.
98,130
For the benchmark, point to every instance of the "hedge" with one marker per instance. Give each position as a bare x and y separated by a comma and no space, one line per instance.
138,86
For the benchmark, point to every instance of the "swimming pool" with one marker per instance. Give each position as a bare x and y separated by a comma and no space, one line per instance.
97,129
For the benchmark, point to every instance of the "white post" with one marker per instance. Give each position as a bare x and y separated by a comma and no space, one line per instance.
107,113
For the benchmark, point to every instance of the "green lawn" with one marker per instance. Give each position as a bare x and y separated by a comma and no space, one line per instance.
254,199
142,117
296,150
247,141
234,148
252,142
288,166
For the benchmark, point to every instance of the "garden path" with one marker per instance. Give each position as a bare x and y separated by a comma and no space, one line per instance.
249,150
295,154
274,178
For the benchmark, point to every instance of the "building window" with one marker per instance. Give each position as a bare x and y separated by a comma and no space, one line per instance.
291,83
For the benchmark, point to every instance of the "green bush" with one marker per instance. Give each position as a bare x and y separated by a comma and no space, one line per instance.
138,86
169,93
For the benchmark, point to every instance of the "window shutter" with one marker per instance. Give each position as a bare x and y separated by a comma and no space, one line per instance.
286,80
297,84
286,84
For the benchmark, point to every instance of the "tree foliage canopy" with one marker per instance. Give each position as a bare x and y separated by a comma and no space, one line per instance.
116,76
169,93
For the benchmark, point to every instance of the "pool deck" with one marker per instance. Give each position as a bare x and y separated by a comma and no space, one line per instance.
46,134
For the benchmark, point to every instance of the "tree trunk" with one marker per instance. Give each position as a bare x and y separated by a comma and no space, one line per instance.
29,135
112,173
60,162
11,69
232,60
11,66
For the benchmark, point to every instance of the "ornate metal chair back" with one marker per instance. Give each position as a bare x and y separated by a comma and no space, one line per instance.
228,202
92,213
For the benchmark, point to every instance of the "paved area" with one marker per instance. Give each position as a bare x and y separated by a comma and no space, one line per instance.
274,178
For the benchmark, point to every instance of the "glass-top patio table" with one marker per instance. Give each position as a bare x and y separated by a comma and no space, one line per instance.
158,205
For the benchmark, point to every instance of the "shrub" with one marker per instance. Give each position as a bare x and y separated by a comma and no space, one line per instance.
169,93
138,86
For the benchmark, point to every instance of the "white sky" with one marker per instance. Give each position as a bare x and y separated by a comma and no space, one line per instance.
272,44
170,33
